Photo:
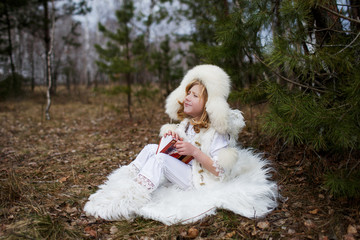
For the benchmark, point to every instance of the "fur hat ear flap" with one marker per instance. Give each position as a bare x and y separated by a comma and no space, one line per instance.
218,111
172,105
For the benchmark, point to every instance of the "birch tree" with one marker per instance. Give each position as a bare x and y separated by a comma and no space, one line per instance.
49,61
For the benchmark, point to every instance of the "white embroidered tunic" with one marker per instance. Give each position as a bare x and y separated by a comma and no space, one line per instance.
220,141
151,168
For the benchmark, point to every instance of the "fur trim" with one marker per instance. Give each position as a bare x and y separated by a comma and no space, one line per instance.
227,158
167,127
217,83
235,124
120,197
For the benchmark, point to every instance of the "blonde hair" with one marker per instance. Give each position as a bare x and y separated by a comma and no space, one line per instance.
204,121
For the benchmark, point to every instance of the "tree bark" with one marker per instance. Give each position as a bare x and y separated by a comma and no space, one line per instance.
128,75
48,63
88,79
14,85
46,37
277,33
355,14
226,8
32,64
325,22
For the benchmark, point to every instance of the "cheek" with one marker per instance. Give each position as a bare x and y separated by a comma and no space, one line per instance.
200,105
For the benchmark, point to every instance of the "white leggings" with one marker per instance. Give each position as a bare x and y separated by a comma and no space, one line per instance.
153,167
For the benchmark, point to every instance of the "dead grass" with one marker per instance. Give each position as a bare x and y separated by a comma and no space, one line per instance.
49,169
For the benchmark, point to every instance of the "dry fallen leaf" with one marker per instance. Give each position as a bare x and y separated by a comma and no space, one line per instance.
315,211
90,231
291,231
70,210
113,230
280,222
348,237
308,223
192,233
231,234
351,229
263,225
63,179
183,233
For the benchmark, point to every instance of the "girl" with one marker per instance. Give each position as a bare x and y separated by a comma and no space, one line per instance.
221,175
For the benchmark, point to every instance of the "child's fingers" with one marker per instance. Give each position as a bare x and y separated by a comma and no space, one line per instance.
176,136
179,144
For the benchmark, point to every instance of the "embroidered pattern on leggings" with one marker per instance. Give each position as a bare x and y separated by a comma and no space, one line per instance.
141,179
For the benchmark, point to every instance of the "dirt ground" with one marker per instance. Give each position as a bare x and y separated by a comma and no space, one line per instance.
48,169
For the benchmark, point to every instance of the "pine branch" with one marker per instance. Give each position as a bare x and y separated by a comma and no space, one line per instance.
348,44
289,80
339,15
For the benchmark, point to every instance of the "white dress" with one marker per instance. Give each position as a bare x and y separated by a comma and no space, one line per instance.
153,168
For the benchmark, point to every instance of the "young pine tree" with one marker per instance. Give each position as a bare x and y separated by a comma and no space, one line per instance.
165,65
116,59
317,103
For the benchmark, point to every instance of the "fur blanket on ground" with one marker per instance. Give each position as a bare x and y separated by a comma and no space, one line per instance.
249,193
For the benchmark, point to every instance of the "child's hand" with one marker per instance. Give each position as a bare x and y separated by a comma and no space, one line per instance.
174,135
186,148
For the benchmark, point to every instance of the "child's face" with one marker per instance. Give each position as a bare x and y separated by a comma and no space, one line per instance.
194,102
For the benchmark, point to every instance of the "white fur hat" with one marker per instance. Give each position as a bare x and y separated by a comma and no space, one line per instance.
217,84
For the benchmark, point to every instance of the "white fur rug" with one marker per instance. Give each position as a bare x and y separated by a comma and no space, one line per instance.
249,192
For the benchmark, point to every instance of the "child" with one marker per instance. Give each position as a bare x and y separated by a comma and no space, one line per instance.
221,175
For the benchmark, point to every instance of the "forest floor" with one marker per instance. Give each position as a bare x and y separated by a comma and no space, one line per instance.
48,169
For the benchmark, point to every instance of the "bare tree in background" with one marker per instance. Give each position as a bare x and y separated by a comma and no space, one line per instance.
48,63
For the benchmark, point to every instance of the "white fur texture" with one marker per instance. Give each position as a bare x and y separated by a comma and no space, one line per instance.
249,193
235,125
227,157
217,83
166,128
120,197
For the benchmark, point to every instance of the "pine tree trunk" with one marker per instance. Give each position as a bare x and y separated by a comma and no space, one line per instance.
68,81
54,82
355,14
32,66
325,23
96,80
14,82
277,33
88,79
226,8
128,80
128,76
